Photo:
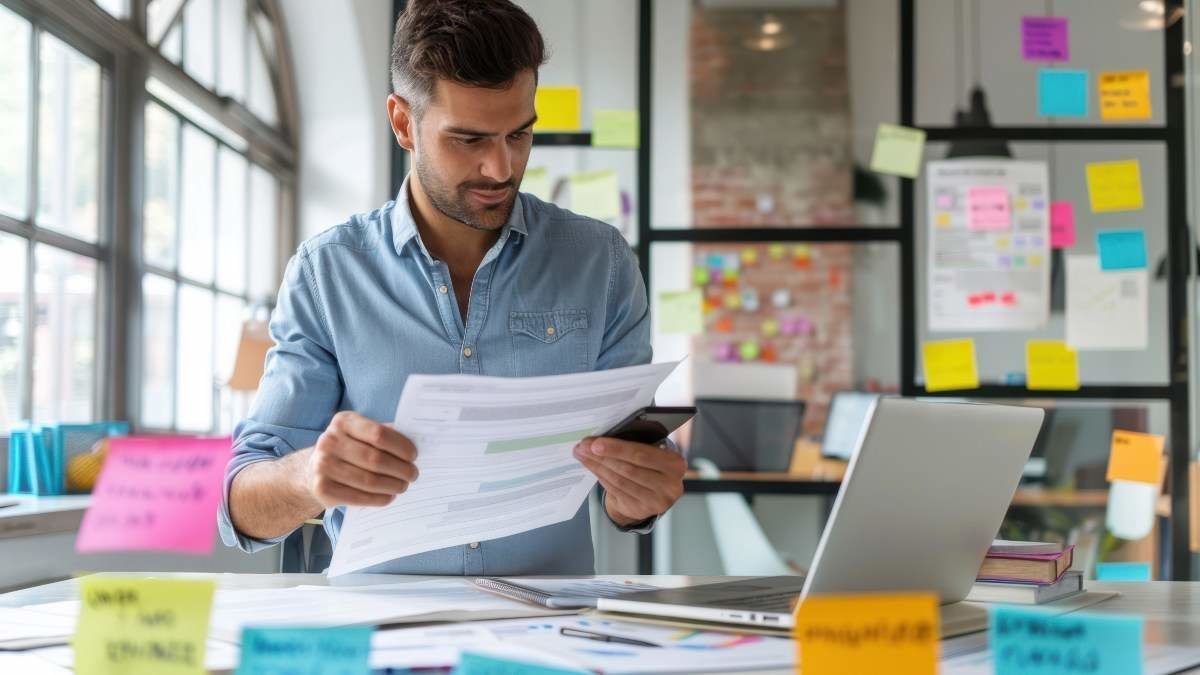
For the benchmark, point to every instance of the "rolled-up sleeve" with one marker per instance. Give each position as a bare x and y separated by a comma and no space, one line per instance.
300,391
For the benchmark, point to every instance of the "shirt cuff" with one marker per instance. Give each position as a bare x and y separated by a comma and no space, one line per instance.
229,534
642,527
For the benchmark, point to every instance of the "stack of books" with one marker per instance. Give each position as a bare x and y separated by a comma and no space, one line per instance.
1028,573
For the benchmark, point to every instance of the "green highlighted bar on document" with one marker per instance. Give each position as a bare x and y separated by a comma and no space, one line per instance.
514,444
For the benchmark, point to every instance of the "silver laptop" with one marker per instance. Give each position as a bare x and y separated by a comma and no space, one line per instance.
924,495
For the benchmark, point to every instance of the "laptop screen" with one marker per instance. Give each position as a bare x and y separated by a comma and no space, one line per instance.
847,415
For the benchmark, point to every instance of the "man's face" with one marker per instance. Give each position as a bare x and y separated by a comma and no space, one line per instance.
471,149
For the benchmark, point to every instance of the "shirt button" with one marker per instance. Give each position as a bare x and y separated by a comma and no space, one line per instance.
443,289
550,330
474,544
467,352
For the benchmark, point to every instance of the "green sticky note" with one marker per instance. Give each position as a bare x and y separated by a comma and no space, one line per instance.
615,129
749,350
700,276
132,626
329,650
537,183
680,313
898,150
596,194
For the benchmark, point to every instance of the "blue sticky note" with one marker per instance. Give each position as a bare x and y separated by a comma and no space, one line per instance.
1062,93
1035,642
479,664
344,650
1121,250
1122,571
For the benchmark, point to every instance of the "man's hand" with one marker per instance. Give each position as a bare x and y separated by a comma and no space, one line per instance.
641,480
359,462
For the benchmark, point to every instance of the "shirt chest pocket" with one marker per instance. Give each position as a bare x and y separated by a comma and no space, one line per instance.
550,343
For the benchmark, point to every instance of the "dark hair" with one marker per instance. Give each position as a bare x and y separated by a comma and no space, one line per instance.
478,43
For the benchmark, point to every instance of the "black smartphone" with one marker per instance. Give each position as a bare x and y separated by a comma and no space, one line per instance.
651,425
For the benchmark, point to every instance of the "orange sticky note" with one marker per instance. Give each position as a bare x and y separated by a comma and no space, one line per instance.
852,634
1135,457
1125,95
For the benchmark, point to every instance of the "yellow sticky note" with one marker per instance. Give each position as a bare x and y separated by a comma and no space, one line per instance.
1136,457
854,634
615,128
596,194
943,220
537,183
680,313
557,109
777,251
1115,186
950,365
898,150
132,626
749,256
1050,365
1124,95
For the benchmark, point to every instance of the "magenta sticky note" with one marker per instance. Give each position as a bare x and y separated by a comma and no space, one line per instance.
1044,38
1062,224
988,208
156,494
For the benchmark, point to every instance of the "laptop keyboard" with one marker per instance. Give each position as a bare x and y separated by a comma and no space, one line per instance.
773,602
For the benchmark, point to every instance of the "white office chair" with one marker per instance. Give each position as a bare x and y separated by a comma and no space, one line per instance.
741,542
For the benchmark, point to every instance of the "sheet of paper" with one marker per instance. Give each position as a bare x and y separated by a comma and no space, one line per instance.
327,650
536,182
1044,38
596,194
1125,95
1115,186
475,663
1156,660
141,626
1050,365
1106,310
898,150
1062,93
29,664
219,656
1062,224
156,494
1121,249
19,624
557,108
950,365
681,313
615,128
894,633
987,279
1136,457
495,458
1123,571
1028,641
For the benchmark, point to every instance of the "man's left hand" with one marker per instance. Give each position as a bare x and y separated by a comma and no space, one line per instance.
642,481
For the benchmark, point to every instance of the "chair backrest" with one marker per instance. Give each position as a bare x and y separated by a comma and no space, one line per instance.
741,543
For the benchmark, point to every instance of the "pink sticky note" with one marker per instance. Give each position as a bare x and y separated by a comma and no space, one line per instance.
156,494
1044,38
988,208
1062,224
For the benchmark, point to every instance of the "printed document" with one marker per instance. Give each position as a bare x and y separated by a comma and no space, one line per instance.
495,458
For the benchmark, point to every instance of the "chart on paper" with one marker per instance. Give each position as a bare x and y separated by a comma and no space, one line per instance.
495,456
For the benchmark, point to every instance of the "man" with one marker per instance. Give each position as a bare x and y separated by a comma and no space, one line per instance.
460,274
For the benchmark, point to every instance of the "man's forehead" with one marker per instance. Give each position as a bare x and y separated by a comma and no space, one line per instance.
481,108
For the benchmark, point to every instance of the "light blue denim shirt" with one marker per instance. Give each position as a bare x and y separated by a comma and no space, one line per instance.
364,305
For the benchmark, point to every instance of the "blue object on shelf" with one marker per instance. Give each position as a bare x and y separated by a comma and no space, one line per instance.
38,454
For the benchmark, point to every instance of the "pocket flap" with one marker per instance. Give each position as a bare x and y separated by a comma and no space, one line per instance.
549,326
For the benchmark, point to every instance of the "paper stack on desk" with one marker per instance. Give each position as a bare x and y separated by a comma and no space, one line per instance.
495,458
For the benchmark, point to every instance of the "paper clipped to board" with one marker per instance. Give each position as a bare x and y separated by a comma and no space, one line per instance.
1027,641
327,650
950,365
1136,457
850,634
1106,310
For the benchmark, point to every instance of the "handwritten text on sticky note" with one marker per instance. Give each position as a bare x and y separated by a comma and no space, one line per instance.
1115,186
557,108
615,128
1051,366
156,494
1044,38
898,150
844,634
1032,642
342,650
1121,250
988,208
950,365
1135,457
131,626
1125,95
1062,224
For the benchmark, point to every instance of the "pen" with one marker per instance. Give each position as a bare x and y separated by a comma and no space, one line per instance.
601,637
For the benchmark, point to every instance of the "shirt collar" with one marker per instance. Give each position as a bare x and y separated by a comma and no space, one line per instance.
404,226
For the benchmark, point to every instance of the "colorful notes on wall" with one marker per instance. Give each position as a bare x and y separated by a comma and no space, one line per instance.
537,183
1115,186
950,365
1136,457
596,194
1050,365
557,108
131,626
1062,224
1123,571
1033,642
1044,38
843,634
1125,95
1062,93
988,208
156,494
898,150
1121,250
615,128
681,313
341,650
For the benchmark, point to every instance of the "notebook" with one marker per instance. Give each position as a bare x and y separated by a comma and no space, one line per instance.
559,593
1036,568
1070,584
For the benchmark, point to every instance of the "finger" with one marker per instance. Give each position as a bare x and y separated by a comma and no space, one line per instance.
648,456
349,475
367,457
646,478
331,493
374,434
611,480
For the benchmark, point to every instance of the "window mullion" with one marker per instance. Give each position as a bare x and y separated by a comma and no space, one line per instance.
28,300
27,350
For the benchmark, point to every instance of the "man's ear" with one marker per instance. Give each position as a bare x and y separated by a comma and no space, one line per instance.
404,123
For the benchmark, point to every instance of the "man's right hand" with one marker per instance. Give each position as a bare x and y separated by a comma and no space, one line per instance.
359,462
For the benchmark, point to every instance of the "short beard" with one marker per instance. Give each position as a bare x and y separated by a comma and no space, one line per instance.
453,202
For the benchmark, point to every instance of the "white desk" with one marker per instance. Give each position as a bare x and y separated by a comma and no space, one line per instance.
1171,609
